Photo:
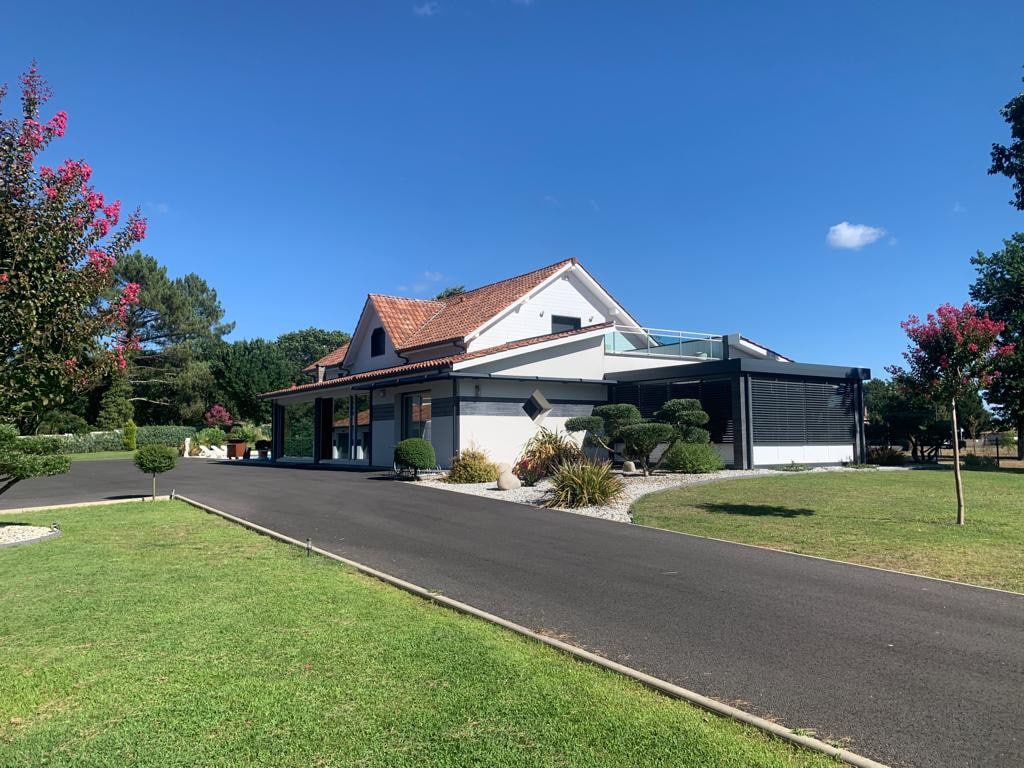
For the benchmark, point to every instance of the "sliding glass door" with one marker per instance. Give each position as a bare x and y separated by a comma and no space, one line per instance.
350,440
416,415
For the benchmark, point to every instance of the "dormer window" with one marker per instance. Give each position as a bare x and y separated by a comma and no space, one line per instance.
377,342
560,323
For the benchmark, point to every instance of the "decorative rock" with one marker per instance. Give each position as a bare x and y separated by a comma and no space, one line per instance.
504,468
628,466
508,482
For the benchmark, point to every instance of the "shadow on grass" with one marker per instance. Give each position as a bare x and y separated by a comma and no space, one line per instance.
756,510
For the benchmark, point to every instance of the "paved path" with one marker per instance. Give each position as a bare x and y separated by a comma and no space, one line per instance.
913,672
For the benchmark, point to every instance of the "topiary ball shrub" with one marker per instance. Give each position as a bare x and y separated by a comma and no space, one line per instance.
472,466
640,440
584,484
415,453
154,460
693,459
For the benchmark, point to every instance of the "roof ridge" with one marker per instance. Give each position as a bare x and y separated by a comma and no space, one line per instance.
406,298
454,299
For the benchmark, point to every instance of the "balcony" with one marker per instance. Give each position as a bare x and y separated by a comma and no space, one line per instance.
659,342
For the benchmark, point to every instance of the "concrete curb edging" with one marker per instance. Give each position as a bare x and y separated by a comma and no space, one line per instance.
657,684
51,535
132,500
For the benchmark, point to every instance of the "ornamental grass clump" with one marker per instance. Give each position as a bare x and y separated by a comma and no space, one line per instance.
544,453
472,466
584,484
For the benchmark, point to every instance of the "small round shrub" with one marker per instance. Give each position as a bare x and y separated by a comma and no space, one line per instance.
584,484
211,436
472,466
886,457
693,459
415,453
154,459
129,436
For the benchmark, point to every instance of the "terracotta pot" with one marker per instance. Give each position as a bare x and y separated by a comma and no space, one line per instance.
236,449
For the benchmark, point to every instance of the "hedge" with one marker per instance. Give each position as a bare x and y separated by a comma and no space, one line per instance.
170,436
49,445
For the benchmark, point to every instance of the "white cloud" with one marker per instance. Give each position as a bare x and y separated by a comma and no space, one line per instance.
427,282
852,236
551,200
429,8
959,208
158,207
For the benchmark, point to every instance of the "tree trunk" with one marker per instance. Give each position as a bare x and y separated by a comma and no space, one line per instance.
154,486
956,470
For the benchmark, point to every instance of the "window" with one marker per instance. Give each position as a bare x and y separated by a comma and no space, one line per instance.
416,415
561,323
536,405
377,342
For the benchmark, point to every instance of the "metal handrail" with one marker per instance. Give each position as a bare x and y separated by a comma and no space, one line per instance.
663,342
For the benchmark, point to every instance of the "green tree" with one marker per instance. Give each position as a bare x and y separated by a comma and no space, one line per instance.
451,290
999,290
604,426
15,465
301,348
61,324
155,459
245,369
175,323
641,439
116,406
1008,160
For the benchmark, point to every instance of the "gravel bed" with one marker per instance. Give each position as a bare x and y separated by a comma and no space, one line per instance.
20,534
636,486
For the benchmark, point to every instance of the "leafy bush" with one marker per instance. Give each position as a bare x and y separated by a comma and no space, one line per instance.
130,436
584,484
605,425
44,445
16,464
546,450
52,445
247,432
528,473
415,453
980,463
886,457
693,458
687,418
641,439
472,466
63,423
172,436
218,416
211,436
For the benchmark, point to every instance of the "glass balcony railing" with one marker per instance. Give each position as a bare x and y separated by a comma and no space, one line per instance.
657,342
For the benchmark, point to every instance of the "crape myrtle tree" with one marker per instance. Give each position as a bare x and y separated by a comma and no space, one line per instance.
1008,160
61,327
999,291
952,355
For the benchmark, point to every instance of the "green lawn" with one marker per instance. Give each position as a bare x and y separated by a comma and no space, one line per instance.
157,635
900,520
102,455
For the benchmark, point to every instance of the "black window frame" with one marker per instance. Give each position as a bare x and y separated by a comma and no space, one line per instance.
377,345
568,323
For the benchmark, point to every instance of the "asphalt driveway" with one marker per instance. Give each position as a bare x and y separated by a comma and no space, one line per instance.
909,671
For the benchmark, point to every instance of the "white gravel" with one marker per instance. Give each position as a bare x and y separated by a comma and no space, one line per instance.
636,486
18,534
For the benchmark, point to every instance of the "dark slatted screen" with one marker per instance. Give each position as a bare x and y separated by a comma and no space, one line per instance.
799,412
715,398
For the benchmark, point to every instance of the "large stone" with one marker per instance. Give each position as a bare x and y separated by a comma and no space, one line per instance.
628,466
503,468
508,482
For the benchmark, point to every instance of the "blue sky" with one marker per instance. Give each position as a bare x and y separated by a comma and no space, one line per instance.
694,156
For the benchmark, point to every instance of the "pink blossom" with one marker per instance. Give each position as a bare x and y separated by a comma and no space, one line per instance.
113,212
79,222
50,192
102,226
94,200
58,123
130,293
46,172
4,277
101,260
138,229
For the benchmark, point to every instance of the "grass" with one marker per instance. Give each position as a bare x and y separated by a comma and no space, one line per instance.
102,455
156,635
899,520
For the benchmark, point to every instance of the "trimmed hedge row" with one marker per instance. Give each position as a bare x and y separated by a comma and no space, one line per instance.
51,445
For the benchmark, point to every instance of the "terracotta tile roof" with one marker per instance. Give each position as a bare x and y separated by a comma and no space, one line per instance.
439,362
453,318
402,318
331,358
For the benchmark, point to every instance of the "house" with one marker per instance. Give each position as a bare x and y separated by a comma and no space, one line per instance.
490,367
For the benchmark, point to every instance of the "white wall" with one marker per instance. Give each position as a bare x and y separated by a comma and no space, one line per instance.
566,295
359,358
802,454
582,359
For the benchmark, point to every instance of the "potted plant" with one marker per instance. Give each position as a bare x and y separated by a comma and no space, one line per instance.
263,448
236,447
